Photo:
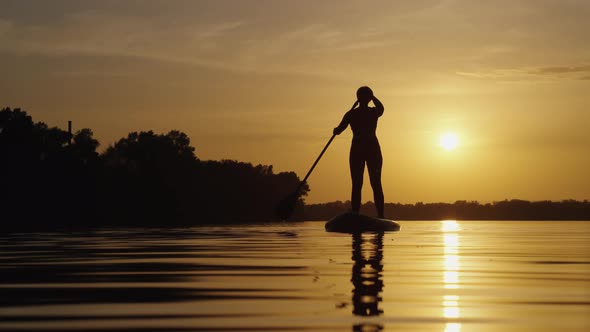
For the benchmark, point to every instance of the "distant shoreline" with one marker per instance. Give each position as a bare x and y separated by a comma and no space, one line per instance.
513,209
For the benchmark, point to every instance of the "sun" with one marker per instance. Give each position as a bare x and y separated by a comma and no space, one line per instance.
449,141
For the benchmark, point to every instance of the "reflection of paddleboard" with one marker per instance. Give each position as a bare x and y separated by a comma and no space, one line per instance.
358,223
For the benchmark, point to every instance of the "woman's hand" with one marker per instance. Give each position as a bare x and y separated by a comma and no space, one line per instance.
338,130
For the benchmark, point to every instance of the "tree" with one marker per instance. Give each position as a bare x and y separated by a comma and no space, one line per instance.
45,178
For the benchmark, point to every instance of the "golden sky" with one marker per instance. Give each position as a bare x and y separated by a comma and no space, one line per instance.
266,81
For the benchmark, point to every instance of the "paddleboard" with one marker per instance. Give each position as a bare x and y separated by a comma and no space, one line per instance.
358,223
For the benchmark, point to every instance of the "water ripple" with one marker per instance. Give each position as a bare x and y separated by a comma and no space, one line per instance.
435,276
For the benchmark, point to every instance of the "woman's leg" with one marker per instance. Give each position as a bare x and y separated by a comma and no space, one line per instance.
357,168
374,165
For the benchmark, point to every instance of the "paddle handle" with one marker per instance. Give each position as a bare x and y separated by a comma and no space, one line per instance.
315,163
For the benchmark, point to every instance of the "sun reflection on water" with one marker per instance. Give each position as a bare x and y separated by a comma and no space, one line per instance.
450,226
453,327
451,311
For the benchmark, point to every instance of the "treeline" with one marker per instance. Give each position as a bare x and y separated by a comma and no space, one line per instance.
463,210
51,177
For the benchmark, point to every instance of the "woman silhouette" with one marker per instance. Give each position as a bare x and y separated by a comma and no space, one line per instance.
365,146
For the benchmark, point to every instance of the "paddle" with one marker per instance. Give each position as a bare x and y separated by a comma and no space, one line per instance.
287,205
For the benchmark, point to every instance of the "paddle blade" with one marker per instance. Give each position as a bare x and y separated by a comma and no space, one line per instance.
287,205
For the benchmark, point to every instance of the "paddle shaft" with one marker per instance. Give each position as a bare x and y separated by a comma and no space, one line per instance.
315,163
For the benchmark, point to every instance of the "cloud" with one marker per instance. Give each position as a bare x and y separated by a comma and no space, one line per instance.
5,26
222,45
99,34
494,73
245,46
561,70
547,73
323,40
92,73
218,29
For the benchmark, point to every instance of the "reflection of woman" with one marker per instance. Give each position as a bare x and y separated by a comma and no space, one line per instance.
367,255
365,147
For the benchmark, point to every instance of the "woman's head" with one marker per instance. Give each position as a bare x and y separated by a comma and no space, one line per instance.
364,95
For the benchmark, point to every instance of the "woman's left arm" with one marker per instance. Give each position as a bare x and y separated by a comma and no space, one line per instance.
378,106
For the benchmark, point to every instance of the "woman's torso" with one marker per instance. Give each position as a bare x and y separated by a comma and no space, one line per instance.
363,122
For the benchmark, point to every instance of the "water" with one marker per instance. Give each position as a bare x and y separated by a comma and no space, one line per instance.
432,276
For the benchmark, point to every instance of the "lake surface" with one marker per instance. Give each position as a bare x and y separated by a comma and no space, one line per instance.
443,276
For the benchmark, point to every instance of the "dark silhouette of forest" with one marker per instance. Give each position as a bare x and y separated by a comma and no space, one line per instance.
463,210
51,177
